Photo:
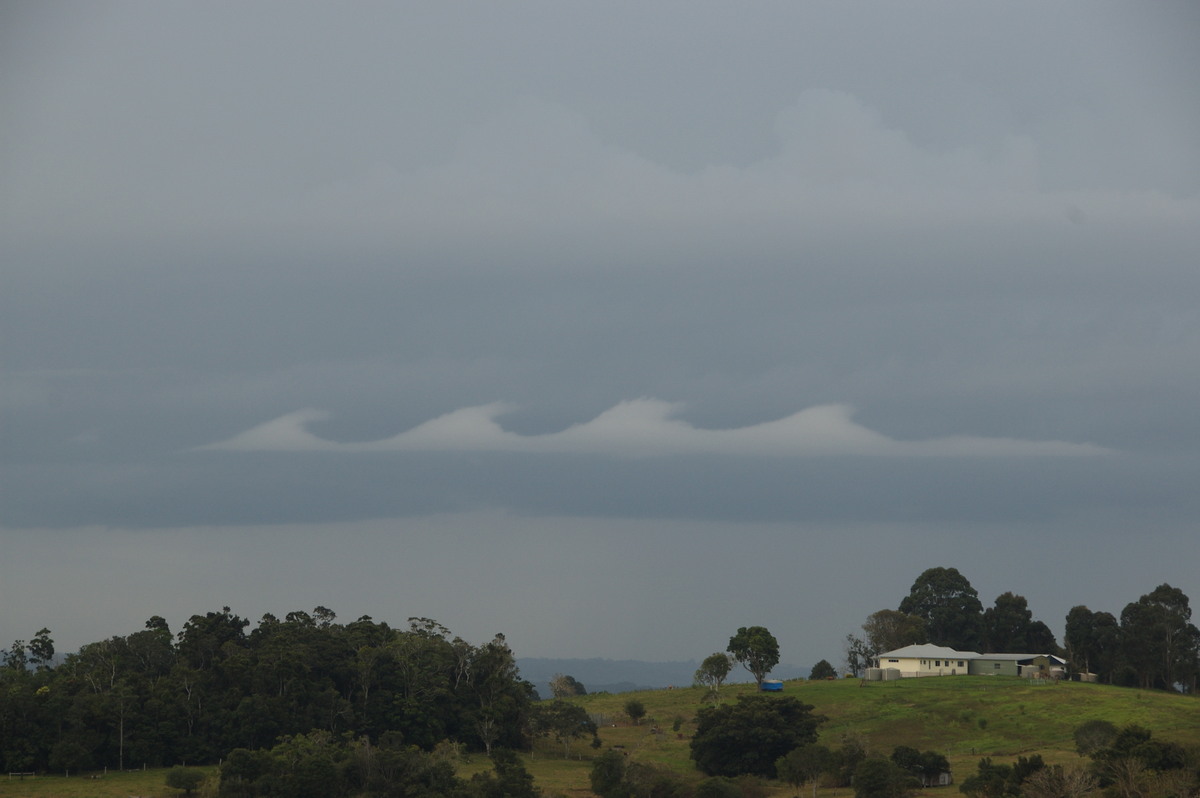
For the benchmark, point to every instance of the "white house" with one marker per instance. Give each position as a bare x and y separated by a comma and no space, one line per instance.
927,660
930,660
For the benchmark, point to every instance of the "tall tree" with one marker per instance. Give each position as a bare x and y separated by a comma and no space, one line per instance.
950,607
1008,627
888,630
1159,639
757,650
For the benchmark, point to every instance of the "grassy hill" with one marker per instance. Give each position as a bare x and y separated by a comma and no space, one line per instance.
963,717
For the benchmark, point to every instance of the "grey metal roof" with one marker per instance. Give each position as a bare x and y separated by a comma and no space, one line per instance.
928,651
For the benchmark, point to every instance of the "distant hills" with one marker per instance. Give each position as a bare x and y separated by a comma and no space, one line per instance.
626,675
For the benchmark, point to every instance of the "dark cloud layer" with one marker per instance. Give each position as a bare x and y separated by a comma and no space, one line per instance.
956,220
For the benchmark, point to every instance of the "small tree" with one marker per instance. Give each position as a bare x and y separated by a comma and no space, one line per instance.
712,673
563,721
804,764
186,779
822,670
880,778
636,710
563,686
608,775
757,650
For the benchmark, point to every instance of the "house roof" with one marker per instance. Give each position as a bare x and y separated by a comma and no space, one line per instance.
928,651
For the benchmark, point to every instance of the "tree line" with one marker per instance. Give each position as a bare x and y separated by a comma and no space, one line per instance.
157,698
1152,644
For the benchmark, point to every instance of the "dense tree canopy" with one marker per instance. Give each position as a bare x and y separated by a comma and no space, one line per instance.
949,606
757,650
1009,627
751,735
149,698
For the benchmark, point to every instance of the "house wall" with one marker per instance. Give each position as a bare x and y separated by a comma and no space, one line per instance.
910,667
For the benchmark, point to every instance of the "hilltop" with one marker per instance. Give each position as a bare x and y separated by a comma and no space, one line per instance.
965,718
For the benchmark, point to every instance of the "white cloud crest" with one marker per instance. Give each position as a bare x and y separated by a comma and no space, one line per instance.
645,428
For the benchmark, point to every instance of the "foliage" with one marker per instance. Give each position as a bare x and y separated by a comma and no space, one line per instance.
562,721
1160,642
564,686
751,735
880,778
510,779
636,710
607,777
804,764
186,779
712,674
154,698
859,655
888,630
757,650
613,775
925,766
718,787
999,780
1094,735
1008,627
949,606
822,670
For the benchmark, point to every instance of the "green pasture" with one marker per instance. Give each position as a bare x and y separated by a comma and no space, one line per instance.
965,718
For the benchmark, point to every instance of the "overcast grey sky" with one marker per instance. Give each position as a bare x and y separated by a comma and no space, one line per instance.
608,326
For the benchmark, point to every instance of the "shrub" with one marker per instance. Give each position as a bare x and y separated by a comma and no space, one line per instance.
186,779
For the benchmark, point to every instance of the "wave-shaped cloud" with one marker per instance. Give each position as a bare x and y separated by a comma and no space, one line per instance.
643,428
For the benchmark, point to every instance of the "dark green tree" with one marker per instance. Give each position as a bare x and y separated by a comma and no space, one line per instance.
509,778
562,721
186,779
949,606
1008,627
751,735
757,650
822,670
925,766
636,710
804,765
1160,641
607,776
880,778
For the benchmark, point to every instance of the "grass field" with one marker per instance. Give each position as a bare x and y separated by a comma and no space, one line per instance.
963,717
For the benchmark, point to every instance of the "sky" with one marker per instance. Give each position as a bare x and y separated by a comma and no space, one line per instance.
612,327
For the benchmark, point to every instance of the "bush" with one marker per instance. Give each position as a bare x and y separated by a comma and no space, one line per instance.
749,736
880,778
186,779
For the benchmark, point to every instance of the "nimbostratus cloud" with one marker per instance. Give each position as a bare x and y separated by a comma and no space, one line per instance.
645,428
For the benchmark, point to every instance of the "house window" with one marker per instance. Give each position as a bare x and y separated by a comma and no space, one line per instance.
938,664
893,660
960,663
996,666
